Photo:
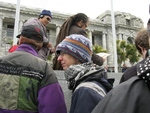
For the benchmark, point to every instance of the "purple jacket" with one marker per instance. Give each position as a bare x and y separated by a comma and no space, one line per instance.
28,84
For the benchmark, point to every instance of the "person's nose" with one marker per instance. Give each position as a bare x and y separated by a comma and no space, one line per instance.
59,58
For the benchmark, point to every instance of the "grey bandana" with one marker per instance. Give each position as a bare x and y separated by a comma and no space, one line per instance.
77,72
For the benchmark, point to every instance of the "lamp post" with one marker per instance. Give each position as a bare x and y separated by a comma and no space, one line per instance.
114,38
16,22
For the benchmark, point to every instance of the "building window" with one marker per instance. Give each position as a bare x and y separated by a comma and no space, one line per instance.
10,26
121,36
93,40
102,20
128,22
130,40
10,30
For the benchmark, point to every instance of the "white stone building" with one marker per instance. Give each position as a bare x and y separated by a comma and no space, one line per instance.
100,29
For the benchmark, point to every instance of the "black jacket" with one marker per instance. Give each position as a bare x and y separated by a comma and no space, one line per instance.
130,72
89,85
132,96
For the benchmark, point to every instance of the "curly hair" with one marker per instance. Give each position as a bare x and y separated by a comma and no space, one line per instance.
142,40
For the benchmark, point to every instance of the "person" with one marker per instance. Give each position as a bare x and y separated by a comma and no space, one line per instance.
75,24
13,48
28,84
87,81
138,84
42,21
107,69
142,45
131,96
124,68
96,59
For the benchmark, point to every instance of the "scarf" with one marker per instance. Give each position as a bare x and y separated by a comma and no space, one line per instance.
76,74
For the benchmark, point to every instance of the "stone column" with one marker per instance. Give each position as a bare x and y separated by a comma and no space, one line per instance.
124,37
57,30
20,26
1,29
90,36
104,40
120,36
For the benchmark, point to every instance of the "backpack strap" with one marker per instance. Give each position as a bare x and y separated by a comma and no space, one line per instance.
92,86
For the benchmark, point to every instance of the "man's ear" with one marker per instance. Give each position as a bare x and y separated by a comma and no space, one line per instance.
140,47
143,51
20,39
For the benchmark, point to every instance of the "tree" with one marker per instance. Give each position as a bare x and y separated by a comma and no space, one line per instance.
132,54
98,49
127,51
121,51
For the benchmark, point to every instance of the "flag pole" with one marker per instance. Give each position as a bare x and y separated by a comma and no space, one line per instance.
16,22
114,38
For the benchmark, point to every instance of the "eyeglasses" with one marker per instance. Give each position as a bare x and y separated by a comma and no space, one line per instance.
49,19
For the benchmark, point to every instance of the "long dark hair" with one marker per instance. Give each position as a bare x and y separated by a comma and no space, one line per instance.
64,31
73,20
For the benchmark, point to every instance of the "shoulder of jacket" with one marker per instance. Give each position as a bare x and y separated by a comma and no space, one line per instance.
92,86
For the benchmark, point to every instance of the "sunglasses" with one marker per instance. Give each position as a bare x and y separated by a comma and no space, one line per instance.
49,19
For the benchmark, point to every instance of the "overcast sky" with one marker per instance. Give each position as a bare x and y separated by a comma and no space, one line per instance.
93,8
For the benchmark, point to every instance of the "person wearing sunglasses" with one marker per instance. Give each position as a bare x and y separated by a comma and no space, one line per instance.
42,21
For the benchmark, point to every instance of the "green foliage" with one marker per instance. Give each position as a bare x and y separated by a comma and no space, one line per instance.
11,42
50,57
98,49
132,53
126,51
121,51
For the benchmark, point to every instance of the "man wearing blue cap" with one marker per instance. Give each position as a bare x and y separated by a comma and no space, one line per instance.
43,20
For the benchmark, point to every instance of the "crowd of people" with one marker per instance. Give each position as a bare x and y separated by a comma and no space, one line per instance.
29,84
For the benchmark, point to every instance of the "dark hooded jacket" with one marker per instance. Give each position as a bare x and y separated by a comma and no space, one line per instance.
130,72
132,96
89,85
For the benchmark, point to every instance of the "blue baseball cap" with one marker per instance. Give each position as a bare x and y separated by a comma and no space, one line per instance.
46,12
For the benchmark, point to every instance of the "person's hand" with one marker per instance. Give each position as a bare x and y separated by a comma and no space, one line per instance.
104,58
49,45
52,50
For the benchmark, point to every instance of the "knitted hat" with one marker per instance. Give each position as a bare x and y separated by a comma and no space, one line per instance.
78,46
46,12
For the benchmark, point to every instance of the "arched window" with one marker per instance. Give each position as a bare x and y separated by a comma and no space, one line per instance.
130,40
